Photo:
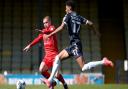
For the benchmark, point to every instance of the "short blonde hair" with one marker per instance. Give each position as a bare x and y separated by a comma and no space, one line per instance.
48,18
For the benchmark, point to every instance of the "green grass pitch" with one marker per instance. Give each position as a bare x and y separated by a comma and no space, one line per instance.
106,86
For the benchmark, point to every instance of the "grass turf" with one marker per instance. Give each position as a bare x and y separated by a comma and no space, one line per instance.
105,86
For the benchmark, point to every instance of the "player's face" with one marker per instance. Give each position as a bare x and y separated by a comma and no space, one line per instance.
67,9
46,23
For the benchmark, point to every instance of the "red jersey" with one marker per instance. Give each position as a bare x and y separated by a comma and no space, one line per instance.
50,45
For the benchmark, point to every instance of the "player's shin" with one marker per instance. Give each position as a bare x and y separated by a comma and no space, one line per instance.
55,68
46,74
92,64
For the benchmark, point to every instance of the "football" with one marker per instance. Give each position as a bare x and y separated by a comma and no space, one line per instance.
20,84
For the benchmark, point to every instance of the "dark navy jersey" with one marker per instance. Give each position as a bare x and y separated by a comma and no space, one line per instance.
73,22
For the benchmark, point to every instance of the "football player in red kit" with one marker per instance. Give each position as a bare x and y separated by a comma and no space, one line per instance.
51,50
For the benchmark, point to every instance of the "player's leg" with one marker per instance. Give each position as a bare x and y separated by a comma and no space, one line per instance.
80,61
61,79
105,61
43,69
78,54
89,65
92,64
62,55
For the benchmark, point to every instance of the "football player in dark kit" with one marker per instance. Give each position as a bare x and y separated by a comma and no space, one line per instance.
73,22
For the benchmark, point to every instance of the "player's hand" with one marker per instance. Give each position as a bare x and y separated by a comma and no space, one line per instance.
26,48
96,32
37,30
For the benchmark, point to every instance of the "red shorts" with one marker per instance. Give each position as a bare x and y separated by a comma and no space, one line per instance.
49,59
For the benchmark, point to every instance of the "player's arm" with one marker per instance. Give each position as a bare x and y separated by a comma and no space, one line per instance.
64,21
56,31
45,31
92,27
35,41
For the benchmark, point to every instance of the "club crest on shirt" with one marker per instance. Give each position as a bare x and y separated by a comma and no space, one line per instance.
52,29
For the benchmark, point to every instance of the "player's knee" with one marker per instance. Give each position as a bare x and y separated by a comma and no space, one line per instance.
42,67
57,60
40,70
63,54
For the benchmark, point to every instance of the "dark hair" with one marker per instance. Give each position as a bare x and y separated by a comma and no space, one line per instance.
71,3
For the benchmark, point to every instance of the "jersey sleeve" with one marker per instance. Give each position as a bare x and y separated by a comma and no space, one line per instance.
36,40
83,20
66,18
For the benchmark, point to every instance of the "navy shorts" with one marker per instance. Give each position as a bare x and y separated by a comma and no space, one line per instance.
75,50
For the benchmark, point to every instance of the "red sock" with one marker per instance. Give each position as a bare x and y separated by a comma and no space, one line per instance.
61,79
46,74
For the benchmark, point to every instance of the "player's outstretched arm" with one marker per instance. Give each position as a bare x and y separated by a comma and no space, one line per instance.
57,30
34,42
92,27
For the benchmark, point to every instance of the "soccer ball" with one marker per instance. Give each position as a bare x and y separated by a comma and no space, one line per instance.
20,84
